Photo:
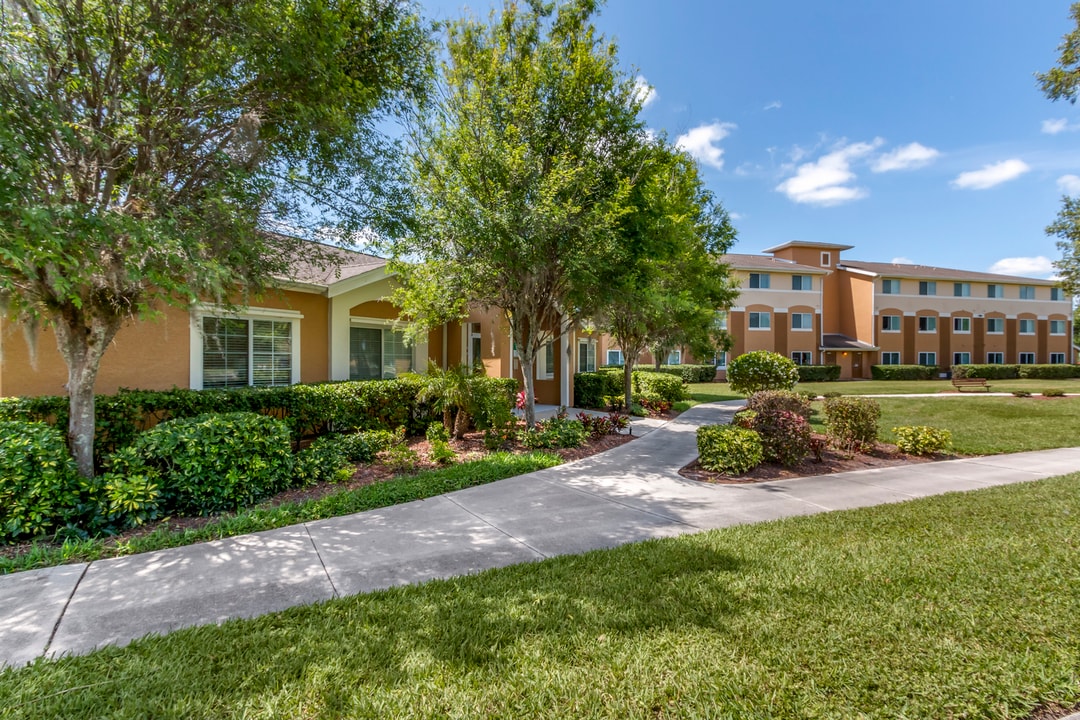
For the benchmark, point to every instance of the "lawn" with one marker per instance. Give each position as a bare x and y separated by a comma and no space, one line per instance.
720,391
961,606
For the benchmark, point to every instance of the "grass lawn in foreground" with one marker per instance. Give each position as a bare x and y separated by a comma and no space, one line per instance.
959,606
720,391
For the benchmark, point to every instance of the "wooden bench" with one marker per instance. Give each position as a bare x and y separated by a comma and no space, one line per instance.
970,383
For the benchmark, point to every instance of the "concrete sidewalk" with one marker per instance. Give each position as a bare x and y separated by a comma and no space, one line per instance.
624,495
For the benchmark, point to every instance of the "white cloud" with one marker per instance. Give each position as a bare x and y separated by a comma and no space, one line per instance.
701,143
1053,127
826,181
1024,266
736,216
907,157
902,261
644,92
991,175
1069,184
774,105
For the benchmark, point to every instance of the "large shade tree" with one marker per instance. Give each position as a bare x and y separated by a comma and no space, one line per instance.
668,282
144,143
520,175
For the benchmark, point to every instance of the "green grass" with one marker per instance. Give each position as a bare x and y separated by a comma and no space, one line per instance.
959,606
709,392
495,466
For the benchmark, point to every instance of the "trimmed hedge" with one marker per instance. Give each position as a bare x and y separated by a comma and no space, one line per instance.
728,449
691,373
818,373
903,372
590,389
39,489
660,386
1050,372
989,372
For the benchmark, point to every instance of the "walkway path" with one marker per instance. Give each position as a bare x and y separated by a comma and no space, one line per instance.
627,494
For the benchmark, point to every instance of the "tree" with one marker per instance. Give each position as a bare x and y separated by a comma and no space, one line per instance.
668,281
143,143
1062,82
519,175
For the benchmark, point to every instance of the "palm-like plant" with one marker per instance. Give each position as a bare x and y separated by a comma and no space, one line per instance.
449,391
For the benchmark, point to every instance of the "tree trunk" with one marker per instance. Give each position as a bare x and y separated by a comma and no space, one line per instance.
530,392
461,423
628,382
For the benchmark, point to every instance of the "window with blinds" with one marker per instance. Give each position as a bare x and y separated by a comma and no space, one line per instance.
375,353
239,352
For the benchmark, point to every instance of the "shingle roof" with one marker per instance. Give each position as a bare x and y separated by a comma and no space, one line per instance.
764,262
937,273
330,264
843,342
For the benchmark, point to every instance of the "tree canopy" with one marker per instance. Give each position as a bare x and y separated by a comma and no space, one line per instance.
145,143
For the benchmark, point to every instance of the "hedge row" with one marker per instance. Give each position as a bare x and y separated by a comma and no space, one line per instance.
818,373
591,388
1010,372
691,373
903,372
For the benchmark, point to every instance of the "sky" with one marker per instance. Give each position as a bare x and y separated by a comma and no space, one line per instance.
914,131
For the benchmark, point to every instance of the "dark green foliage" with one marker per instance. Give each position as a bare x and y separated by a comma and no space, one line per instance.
776,400
210,463
728,449
40,490
130,491
904,372
852,423
990,372
818,373
439,439
761,370
554,433
785,435
591,389
1050,372
1053,392
326,459
691,373
491,401
362,447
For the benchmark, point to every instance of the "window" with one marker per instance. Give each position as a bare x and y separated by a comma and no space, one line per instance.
1027,327
802,282
890,286
545,362
759,280
759,321
614,357
826,259
890,323
475,345
586,358
890,358
803,358
1057,358
720,360
961,324
961,289
1055,294
1027,292
1027,358
927,358
242,352
1057,327
995,326
995,291
720,321
927,287
927,323
674,357
961,358
995,358
802,321
376,353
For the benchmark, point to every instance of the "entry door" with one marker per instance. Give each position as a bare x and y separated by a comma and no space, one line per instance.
856,365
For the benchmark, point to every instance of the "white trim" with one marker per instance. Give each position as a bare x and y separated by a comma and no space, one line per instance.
340,287
195,345
245,312
856,271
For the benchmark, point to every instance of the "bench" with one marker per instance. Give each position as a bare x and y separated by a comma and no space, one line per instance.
970,383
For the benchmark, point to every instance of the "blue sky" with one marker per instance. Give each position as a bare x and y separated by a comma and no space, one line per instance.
912,130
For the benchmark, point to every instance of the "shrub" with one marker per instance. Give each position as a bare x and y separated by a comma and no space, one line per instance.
1021,393
659,386
131,490
554,433
654,405
818,373
1053,392
591,388
761,370
852,423
775,400
922,440
691,373
832,394
728,449
989,372
362,447
1049,372
326,459
785,436
810,396
744,419
210,463
903,372
492,401
400,458
439,439
40,490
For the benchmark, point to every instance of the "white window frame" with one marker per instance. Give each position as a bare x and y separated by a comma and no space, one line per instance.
750,320
799,355
930,322
995,320
763,281
1025,358
807,318
589,344
677,354
474,331
961,289
1057,358
959,323
543,372
958,358
805,282
1020,326
201,310
621,360
995,358
1027,292
890,286
890,320
826,259
928,288
383,325
928,355
888,355
995,291
1061,324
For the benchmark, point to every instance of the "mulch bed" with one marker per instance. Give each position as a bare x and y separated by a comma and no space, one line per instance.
832,461
1052,711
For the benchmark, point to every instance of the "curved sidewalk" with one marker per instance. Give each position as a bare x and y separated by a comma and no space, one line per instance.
627,494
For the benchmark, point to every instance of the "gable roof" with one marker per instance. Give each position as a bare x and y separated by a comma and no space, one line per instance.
929,272
331,264
764,262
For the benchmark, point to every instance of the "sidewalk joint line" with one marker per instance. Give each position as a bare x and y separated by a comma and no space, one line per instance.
614,501
499,529
63,611
321,561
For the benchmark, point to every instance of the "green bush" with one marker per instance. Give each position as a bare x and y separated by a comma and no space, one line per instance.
922,440
1021,393
761,370
728,449
777,400
852,423
362,447
1049,372
554,433
691,373
785,435
439,439
326,459
131,491
590,388
40,491
818,373
989,372
1053,392
658,386
210,463
904,372
744,418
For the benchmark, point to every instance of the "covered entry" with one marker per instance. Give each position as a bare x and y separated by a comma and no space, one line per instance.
853,356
